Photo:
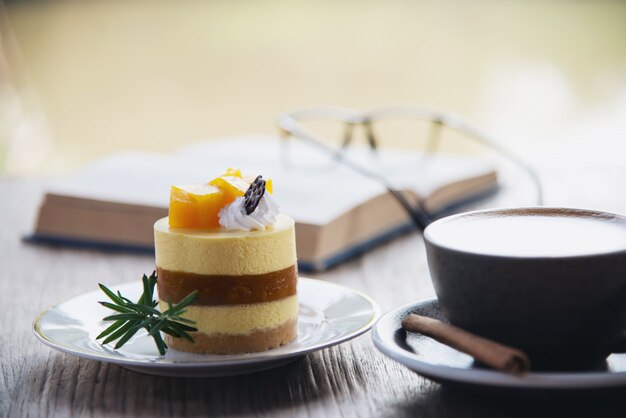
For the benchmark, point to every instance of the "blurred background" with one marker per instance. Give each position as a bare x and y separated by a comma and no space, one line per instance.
79,80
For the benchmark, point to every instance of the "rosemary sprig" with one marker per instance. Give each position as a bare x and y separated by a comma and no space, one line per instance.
131,317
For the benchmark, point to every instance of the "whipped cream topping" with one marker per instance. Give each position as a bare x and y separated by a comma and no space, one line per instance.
233,216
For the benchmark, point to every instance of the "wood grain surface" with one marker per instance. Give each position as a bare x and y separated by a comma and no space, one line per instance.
352,379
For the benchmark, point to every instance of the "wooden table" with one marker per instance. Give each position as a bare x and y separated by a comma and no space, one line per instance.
352,379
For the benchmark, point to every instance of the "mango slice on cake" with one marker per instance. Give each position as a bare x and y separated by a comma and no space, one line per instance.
195,206
235,172
232,186
235,185
199,206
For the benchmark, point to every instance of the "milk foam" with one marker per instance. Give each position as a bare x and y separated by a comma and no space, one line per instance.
531,234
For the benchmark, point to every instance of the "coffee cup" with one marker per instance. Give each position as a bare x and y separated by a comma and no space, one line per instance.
549,281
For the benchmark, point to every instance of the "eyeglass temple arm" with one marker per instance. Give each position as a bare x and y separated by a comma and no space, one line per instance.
418,215
481,138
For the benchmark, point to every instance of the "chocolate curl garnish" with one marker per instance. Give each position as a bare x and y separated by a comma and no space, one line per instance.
488,352
253,195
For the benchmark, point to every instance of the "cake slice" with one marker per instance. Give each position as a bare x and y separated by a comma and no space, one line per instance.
244,270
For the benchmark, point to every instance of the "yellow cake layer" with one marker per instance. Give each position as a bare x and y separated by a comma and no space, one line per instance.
225,252
241,319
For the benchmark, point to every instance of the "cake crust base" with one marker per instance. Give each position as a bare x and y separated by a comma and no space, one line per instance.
260,340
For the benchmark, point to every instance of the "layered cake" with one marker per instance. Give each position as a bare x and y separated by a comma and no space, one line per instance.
227,240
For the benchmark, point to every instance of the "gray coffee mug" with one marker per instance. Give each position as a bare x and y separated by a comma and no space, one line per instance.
519,277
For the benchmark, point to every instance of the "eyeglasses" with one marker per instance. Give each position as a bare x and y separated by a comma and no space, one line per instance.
375,124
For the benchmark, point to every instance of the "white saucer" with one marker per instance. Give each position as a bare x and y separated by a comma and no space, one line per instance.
329,314
447,365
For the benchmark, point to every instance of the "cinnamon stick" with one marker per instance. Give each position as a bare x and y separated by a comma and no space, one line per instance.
491,353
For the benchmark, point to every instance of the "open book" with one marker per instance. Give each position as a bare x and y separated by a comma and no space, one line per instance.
114,202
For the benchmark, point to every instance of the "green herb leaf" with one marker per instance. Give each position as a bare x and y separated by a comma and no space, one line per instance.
119,332
111,295
117,308
110,329
132,317
180,306
124,316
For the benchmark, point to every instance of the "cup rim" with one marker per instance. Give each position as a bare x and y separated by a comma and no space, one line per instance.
428,235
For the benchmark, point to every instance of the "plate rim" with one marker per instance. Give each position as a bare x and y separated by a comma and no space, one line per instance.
486,378
158,362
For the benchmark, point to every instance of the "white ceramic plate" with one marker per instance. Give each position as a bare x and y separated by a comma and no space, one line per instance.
447,365
329,314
